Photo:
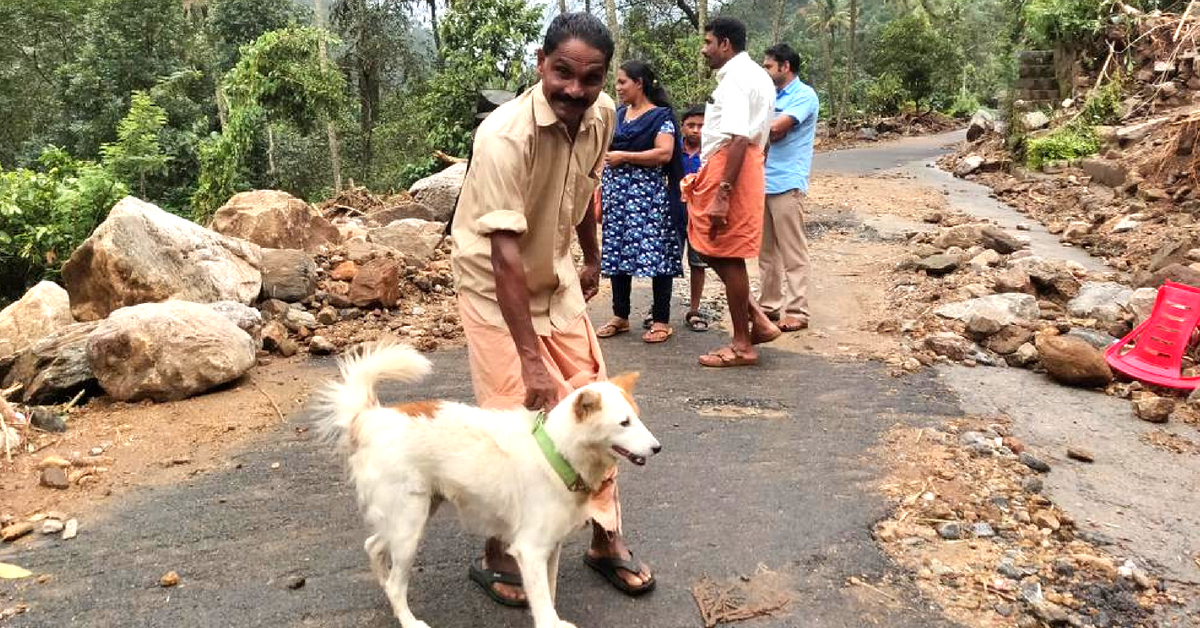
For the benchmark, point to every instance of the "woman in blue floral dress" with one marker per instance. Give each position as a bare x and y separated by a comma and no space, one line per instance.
642,214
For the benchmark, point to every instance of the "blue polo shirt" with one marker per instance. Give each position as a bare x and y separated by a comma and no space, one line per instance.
691,163
789,160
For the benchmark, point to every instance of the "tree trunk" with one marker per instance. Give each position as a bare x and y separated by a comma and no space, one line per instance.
701,20
777,24
562,6
433,20
587,6
851,67
610,11
271,152
830,84
335,153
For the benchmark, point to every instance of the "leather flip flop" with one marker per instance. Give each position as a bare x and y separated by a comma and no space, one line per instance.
485,578
608,567
726,357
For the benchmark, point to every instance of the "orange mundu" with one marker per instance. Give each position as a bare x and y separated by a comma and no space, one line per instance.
742,235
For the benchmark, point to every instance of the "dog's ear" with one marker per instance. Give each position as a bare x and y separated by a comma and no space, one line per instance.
587,403
626,381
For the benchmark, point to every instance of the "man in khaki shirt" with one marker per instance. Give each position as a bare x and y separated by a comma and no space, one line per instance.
534,168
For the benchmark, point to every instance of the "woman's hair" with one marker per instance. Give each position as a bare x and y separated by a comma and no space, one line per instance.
640,71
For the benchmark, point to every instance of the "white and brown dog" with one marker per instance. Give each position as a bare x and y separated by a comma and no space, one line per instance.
510,475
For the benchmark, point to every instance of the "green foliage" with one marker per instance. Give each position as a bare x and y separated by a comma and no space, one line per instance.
137,154
964,106
279,78
1066,22
483,46
1105,106
925,63
46,213
672,51
1065,143
130,46
886,95
235,23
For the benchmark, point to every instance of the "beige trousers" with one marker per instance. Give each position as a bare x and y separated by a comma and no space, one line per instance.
783,261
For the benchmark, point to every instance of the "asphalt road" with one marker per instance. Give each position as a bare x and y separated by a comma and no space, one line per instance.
767,466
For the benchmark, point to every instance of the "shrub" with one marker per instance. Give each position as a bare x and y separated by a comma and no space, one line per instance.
46,213
1069,142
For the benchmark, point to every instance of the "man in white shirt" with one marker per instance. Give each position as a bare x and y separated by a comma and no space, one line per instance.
725,199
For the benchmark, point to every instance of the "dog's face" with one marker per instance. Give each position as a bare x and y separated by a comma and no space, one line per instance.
607,415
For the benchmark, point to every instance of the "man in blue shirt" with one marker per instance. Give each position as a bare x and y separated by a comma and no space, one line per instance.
783,261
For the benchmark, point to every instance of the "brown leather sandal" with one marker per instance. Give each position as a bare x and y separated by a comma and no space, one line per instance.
658,332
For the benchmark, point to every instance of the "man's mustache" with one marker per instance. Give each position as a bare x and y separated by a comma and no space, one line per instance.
567,100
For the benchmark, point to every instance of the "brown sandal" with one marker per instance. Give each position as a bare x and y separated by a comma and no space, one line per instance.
612,328
758,337
658,332
790,324
726,357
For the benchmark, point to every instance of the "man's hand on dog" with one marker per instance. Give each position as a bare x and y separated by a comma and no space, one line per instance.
541,393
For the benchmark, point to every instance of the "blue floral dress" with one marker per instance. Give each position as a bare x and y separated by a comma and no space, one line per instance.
640,237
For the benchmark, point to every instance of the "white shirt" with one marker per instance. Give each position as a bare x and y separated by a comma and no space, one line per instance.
742,104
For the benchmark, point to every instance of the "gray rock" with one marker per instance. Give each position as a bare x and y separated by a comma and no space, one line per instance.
982,123
1033,462
42,310
982,530
968,165
999,240
142,254
439,192
56,368
1097,339
245,317
288,275
1032,485
47,420
939,264
868,134
55,477
1099,299
327,316
1003,309
295,319
952,531
1064,567
320,345
949,345
413,238
167,351
1009,570
1141,303
1035,120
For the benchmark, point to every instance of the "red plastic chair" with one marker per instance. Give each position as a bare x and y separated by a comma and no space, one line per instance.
1161,340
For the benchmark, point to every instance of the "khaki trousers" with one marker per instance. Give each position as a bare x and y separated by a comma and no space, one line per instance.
783,261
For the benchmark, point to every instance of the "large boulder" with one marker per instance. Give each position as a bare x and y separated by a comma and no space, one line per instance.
1003,309
413,238
275,220
167,351
401,211
439,192
1073,361
1105,301
982,123
1035,120
43,309
55,368
288,275
1105,171
376,283
968,165
142,254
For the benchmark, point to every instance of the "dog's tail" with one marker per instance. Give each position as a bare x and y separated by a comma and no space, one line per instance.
341,402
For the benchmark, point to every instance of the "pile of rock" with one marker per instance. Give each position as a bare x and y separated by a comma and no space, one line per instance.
980,533
971,293
155,307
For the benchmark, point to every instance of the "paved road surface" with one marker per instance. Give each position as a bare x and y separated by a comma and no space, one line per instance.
788,487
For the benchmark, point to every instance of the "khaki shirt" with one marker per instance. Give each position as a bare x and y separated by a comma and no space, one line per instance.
526,176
